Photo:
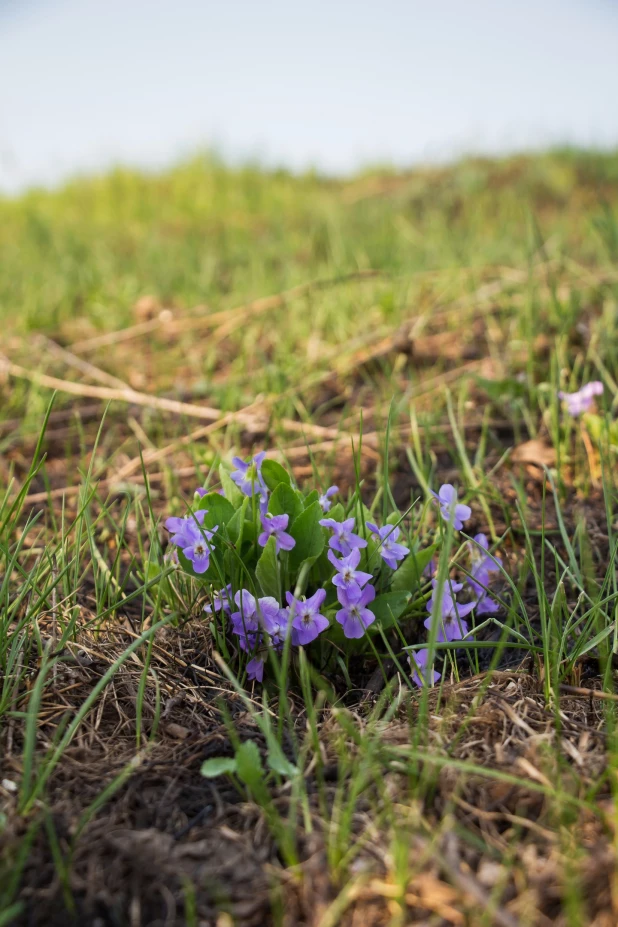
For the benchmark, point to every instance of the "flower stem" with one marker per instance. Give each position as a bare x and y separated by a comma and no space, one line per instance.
301,582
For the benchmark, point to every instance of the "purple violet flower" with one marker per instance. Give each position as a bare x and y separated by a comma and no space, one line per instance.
248,476
254,613
450,509
263,503
255,667
391,551
249,640
274,526
347,576
482,568
342,539
355,617
418,664
275,639
582,400
325,498
200,492
178,526
452,627
196,540
307,622
221,601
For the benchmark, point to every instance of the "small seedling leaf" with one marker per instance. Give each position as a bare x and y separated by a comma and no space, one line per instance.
218,766
249,764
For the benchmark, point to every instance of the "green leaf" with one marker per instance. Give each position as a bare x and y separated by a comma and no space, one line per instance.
337,512
388,607
267,570
277,760
279,763
285,501
249,765
273,474
231,490
312,497
409,575
218,766
236,524
219,511
249,532
308,534
394,518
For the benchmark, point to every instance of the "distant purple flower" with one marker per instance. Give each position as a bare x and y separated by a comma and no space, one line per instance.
430,569
274,526
196,545
482,568
452,627
391,551
248,476
582,400
221,601
347,576
254,613
325,498
418,664
178,527
354,617
307,622
200,492
450,509
342,538
170,558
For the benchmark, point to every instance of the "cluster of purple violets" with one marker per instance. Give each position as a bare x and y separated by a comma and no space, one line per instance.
452,625
354,591
262,623
189,535
248,477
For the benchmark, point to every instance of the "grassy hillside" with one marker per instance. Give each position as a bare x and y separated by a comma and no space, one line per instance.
389,333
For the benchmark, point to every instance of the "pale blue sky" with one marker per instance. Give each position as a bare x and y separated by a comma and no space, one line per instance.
331,83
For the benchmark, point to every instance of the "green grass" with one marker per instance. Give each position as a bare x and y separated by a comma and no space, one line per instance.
506,273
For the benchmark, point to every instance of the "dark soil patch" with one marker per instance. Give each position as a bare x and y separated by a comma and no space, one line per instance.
168,842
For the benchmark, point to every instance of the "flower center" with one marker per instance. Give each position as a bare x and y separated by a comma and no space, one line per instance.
347,574
199,550
354,612
306,616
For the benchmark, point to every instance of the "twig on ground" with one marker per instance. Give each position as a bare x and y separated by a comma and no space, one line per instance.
215,319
